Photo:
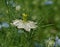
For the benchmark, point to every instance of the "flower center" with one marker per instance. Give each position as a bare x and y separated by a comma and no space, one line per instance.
24,17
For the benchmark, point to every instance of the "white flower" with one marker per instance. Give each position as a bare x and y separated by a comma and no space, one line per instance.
18,7
25,25
49,42
58,42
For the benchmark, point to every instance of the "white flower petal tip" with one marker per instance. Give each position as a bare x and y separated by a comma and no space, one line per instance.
25,25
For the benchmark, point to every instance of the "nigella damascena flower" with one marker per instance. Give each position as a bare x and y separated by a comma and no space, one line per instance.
49,2
25,25
5,24
57,41
0,26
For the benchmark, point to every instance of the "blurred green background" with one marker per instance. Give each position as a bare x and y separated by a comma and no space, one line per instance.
45,13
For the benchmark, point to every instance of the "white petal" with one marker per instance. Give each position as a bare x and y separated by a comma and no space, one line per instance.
20,25
26,27
15,21
29,25
32,24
